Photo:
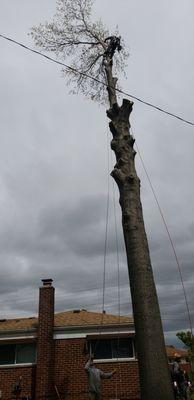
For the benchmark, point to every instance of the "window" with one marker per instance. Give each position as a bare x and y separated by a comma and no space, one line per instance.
17,353
25,352
112,348
7,354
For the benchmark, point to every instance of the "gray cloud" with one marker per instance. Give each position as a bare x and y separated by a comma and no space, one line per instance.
54,165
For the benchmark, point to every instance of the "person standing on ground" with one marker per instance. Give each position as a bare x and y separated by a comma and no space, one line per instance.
94,378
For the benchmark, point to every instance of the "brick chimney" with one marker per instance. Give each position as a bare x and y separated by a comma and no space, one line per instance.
45,342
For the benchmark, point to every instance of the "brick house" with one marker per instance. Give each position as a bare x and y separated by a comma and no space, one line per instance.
45,356
49,353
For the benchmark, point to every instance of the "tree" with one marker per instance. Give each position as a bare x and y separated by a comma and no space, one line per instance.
72,35
186,338
93,51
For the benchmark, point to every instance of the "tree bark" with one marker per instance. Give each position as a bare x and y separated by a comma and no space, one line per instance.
155,381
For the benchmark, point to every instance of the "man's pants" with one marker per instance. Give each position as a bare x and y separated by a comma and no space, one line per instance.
94,396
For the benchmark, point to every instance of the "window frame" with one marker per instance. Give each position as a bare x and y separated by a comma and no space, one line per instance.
112,337
16,364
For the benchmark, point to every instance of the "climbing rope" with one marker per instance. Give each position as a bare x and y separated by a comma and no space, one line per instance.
118,376
169,236
105,249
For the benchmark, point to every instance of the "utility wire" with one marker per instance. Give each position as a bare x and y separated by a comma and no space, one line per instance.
141,101
95,289
63,297
97,80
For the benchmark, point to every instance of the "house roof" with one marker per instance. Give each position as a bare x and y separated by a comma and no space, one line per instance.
79,318
75,318
18,324
86,318
176,353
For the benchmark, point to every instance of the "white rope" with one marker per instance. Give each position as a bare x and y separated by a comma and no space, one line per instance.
118,376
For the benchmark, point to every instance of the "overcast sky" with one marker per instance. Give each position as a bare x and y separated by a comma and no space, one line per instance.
54,169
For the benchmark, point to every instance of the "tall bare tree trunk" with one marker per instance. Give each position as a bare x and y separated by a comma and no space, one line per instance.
155,381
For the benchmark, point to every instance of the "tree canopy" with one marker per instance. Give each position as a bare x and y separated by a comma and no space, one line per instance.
72,36
186,338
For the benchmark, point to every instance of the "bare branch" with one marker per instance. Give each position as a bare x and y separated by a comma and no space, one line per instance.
94,62
75,43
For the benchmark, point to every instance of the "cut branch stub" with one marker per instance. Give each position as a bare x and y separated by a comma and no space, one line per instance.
122,142
119,117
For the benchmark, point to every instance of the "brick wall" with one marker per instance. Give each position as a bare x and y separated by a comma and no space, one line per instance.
9,376
71,379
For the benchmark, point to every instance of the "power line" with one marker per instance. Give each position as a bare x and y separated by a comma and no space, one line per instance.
61,298
98,81
98,290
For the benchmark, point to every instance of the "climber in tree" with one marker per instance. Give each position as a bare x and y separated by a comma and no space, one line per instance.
113,45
